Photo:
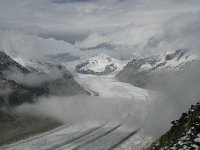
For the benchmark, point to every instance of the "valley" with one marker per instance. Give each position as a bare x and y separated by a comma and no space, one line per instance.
99,75
89,109
117,131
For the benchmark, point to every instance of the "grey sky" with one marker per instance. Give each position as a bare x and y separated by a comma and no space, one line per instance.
128,24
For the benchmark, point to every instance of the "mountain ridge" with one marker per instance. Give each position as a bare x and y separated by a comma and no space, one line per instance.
98,64
140,71
25,83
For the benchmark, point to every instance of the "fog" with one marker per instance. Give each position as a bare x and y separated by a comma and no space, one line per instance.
179,32
72,109
177,92
173,93
19,44
36,78
5,91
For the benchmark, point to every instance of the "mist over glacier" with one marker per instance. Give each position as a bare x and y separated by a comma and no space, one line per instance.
118,102
32,30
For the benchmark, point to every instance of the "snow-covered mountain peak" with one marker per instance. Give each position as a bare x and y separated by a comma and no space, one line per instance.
178,60
98,64
140,71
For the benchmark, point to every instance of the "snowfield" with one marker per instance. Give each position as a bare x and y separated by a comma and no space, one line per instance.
99,64
123,133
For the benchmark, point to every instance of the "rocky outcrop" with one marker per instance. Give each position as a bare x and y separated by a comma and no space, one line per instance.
184,133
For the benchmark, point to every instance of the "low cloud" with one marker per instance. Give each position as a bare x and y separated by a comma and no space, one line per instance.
28,47
34,79
86,108
71,1
177,92
5,91
179,32
34,28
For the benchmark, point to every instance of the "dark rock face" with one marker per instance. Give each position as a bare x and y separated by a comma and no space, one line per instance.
140,72
82,64
184,133
6,63
15,92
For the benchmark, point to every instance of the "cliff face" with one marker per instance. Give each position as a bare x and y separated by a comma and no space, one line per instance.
184,133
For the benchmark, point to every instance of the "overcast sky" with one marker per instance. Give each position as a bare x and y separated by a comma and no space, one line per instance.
31,28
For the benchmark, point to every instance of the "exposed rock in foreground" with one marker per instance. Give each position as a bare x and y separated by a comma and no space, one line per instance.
184,133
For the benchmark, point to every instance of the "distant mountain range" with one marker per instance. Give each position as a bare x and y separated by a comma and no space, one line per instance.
138,71
141,71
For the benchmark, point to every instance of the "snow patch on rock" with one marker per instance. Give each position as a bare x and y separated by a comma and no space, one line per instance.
99,64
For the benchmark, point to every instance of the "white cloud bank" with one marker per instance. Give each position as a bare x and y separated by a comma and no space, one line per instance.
130,26
86,108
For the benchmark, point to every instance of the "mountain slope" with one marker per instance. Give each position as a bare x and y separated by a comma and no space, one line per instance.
21,84
99,64
140,71
6,63
14,94
184,134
